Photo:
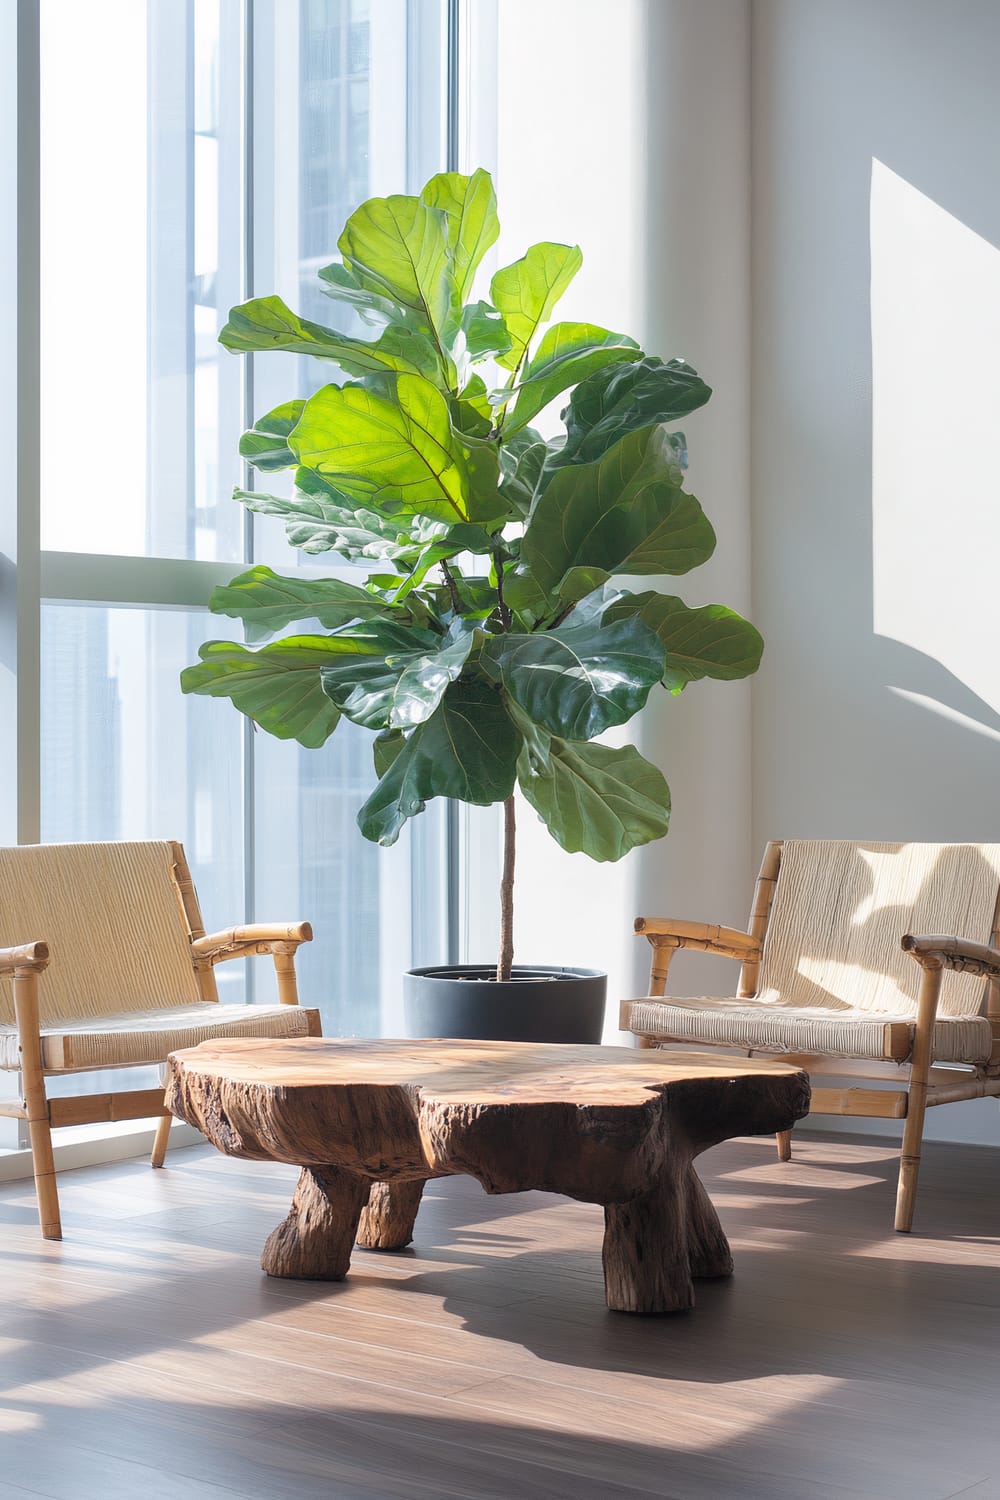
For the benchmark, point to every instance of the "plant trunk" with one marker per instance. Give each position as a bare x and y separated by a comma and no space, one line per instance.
506,959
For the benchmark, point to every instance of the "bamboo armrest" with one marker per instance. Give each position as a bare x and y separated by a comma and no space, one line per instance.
31,956
933,952
252,937
667,932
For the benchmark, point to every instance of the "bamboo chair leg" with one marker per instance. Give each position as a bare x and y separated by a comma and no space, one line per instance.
284,968
162,1136
783,1141
37,1104
916,1108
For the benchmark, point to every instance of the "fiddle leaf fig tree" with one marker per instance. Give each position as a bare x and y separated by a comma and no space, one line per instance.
485,641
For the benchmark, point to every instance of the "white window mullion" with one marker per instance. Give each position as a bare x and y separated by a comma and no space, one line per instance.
19,599
169,277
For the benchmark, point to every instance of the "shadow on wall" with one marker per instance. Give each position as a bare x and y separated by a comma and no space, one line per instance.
935,330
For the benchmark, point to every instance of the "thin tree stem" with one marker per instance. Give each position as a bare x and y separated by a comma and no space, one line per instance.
506,618
456,602
507,893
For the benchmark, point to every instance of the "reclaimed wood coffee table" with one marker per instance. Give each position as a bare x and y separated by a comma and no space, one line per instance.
369,1122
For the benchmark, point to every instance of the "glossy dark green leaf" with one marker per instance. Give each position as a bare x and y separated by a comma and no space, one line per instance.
622,398
385,747
522,457
267,603
398,247
487,501
710,641
395,453
392,687
595,799
527,291
567,353
266,323
470,207
578,682
578,583
278,686
468,750
627,513
266,444
525,596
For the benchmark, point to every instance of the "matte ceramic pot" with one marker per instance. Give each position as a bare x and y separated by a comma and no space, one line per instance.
539,1003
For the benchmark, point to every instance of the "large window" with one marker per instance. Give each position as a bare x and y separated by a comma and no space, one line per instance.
208,150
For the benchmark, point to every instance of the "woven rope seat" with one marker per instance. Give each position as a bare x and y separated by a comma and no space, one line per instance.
136,1038
762,1027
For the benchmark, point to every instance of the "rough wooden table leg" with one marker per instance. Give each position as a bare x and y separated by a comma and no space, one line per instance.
316,1240
708,1249
388,1218
654,1244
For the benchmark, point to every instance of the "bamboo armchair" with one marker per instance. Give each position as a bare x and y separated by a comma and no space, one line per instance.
131,980
842,973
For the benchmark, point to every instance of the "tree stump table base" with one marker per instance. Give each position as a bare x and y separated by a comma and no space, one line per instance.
369,1122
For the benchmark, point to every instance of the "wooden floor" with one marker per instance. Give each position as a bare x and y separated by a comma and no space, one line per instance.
147,1355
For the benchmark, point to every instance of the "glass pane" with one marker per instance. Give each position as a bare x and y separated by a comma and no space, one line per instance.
348,104
312,863
141,188
125,755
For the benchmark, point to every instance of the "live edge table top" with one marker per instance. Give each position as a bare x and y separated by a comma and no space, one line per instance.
370,1121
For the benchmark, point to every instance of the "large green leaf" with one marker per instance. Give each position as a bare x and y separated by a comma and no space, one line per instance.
267,603
485,331
487,503
627,513
266,444
385,747
470,205
621,398
395,688
525,595
527,291
342,285
522,457
475,397
595,799
392,454
398,247
266,323
278,686
319,519
567,353
467,750
578,682
711,641
456,540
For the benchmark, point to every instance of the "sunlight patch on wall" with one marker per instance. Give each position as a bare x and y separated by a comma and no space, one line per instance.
943,711
935,306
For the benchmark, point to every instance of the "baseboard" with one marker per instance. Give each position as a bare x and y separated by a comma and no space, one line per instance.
91,1149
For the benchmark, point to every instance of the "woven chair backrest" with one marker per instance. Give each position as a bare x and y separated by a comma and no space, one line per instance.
840,909
112,918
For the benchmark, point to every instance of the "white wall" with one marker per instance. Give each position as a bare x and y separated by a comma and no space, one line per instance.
876,296
625,129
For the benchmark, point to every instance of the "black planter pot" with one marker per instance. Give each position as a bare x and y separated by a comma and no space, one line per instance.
537,1004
